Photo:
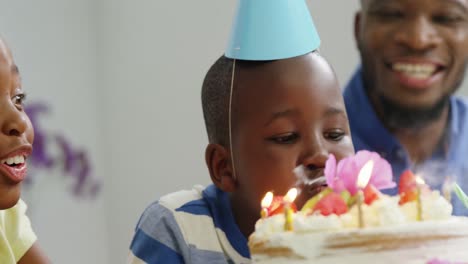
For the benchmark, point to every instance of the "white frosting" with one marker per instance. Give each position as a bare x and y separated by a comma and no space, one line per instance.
333,239
271,225
383,212
434,207
431,239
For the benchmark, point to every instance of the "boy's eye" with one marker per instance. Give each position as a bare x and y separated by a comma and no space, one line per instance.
388,14
18,99
287,138
334,135
447,18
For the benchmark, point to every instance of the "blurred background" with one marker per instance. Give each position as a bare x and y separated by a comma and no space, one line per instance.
114,93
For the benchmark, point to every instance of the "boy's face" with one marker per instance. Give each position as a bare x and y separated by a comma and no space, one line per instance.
16,132
286,113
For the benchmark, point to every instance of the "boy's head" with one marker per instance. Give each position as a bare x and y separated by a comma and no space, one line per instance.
16,134
285,113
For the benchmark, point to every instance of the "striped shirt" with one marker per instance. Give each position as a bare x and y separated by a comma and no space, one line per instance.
195,226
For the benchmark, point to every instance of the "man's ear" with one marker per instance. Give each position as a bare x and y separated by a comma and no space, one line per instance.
219,164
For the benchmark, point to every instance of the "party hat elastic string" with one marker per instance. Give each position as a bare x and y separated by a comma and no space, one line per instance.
230,119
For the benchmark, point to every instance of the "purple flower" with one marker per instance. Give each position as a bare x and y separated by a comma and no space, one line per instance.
343,176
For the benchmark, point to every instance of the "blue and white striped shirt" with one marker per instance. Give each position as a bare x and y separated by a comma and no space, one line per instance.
195,226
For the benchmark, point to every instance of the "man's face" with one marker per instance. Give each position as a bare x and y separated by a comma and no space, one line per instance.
16,132
287,113
414,52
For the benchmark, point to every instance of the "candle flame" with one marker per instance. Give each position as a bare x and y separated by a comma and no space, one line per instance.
365,174
266,201
291,195
420,180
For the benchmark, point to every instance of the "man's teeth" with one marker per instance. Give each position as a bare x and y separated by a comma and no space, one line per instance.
418,71
14,160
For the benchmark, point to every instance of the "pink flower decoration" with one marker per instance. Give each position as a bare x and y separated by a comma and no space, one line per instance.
343,176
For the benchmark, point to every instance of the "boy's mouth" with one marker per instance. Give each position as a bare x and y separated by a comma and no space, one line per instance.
315,186
310,181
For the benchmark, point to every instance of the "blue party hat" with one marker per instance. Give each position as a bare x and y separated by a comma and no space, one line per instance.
272,30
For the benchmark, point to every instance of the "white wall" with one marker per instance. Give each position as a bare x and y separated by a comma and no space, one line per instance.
155,55
54,44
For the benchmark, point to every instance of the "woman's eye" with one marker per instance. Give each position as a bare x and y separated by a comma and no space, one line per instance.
334,135
287,138
19,99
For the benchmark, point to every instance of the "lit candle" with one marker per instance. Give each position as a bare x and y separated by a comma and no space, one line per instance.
288,211
419,183
362,181
266,202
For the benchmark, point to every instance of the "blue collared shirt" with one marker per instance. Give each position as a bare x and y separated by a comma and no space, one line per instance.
369,133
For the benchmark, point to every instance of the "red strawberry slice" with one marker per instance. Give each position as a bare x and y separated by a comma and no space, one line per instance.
370,194
332,203
407,187
277,206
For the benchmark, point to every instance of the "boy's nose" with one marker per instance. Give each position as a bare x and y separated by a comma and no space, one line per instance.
315,158
14,123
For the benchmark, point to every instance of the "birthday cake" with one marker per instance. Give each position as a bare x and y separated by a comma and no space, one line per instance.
356,223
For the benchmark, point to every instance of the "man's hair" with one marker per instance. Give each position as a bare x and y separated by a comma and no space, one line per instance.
215,100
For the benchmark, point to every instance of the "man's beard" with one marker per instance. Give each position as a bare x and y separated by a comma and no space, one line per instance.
396,116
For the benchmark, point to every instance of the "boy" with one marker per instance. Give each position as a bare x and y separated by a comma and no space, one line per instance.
17,240
263,118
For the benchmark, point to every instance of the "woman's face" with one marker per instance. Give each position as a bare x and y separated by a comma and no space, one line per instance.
16,131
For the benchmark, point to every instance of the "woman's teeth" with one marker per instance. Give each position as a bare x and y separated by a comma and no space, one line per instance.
13,160
417,71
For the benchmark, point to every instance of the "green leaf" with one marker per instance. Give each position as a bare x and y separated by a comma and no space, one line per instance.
460,194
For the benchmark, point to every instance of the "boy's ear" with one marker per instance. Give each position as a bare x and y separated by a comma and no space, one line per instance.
219,164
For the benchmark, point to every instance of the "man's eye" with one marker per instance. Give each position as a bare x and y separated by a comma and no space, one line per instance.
19,99
287,138
334,135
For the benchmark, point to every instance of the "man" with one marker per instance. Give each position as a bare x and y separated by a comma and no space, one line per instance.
401,101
